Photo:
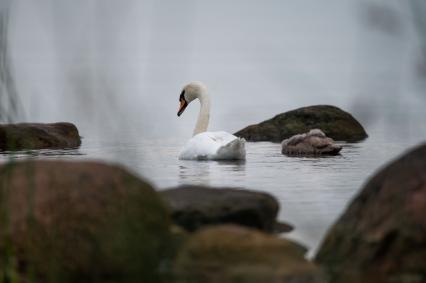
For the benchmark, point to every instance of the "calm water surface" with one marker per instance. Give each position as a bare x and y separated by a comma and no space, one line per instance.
312,192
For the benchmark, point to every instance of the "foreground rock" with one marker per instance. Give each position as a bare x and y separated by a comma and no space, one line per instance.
312,143
235,254
38,136
196,206
382,235
81,222
334,122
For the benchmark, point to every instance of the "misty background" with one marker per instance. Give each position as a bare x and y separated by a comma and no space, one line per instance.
116,68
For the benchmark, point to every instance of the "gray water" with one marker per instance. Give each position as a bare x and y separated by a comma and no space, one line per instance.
312,192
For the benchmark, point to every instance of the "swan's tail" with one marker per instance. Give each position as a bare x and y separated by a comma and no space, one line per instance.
234,150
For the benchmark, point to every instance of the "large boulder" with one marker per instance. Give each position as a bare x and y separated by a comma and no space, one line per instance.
193,207
334,122
381,237
80,222
38,136
229,253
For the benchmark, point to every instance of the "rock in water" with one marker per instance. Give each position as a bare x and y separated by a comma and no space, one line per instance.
81,222
312,143
193,207
381,237
334,122
229,254
38,136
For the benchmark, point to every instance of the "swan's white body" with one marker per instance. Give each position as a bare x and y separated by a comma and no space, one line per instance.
208,145
214,146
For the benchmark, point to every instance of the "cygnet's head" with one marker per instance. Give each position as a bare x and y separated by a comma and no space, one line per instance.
190,92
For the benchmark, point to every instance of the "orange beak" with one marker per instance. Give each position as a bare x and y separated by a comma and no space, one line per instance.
182,106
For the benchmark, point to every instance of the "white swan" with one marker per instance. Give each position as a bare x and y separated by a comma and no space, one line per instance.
207,145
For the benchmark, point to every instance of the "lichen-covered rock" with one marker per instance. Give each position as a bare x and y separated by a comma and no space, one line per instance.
193,207
81,222
381,237
38,136
229,254
313,143
334,122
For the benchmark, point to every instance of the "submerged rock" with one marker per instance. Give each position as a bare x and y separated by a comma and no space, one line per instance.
232,253
334,122
81,222
193,207
314,142
38,136
381,237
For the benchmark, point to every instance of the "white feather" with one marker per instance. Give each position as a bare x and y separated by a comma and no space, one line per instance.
214,146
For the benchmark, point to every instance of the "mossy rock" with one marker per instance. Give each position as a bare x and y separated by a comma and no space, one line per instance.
381,237
230,253
81,222
27,136
334,122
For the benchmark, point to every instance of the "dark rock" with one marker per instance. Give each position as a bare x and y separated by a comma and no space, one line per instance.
81,222
196,206
312,143
231,253
38,136
334,122
381,237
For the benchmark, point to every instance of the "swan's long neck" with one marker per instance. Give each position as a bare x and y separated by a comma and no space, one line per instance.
204,115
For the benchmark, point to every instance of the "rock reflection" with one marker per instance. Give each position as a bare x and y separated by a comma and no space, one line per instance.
42,153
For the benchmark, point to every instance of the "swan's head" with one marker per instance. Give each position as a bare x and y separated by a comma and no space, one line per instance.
190,92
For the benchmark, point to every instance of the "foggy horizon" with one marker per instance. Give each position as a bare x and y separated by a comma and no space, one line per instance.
107,66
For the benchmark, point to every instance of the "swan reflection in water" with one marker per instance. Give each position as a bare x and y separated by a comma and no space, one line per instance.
204,172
